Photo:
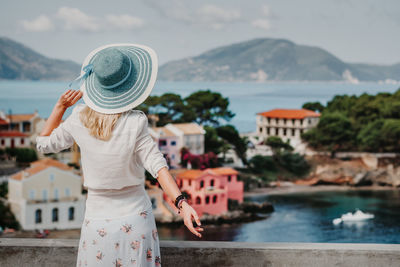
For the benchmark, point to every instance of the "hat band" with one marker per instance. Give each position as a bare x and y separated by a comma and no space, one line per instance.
123,80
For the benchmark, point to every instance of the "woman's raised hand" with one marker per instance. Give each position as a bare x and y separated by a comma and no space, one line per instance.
187,213
68,98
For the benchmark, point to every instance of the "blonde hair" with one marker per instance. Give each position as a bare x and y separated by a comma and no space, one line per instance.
100,125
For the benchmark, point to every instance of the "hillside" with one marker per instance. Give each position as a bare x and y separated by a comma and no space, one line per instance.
272,59
18,62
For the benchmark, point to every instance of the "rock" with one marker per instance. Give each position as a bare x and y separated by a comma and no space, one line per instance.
253,207
361,178
370,161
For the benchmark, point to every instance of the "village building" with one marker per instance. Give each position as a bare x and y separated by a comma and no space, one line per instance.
14,139
47,195
172,137
288,124
29,124
209,189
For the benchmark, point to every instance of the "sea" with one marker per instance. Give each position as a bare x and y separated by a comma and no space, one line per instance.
308,217
245,98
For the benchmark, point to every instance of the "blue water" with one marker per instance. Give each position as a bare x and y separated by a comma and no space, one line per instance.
246,99
307,217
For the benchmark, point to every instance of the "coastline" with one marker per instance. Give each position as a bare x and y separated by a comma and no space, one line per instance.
290,189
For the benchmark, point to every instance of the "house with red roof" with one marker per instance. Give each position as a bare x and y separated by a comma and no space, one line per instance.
14,139
288,124
47,195
209,189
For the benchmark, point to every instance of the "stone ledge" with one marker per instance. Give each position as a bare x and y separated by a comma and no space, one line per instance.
62,252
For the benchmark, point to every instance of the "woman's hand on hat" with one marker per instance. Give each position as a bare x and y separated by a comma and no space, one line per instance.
68,98
187,213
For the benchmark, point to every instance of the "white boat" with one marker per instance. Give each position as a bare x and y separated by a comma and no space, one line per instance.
358,215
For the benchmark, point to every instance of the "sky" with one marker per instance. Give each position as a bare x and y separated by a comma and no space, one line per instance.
364,31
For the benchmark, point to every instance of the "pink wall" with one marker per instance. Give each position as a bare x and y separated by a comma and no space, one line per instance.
235,188
171,150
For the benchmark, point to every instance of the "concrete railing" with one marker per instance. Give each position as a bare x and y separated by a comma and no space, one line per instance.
62,252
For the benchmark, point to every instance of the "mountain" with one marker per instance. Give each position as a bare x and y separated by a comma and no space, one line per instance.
272,59
18,62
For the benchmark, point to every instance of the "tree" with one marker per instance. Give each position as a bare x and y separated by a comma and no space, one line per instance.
208,107
277,144
231,135
315,106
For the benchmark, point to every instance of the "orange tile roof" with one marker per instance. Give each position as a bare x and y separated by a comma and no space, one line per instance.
189,127
194,174
163,131
40,165
20,117
3,122
225,171
12,134
289,113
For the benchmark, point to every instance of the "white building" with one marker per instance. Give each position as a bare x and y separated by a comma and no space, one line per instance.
48,195
173,136
14,139
288,124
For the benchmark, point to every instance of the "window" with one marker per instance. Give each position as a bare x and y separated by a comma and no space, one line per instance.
229,178
309,121
284,121
293,120
173,156
38,216
71,213
207,199
198,200
284,131
22,141
2,142
212,182
269,120
173,143
67,192
54,215
260,129
301,122
293,132
268,131
162,142
31,194
56,193
201,184
190,182
51,177
214,199
44,194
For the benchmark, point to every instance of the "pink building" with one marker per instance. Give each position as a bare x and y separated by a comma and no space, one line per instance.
210,189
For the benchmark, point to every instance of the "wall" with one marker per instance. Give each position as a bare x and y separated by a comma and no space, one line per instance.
59,252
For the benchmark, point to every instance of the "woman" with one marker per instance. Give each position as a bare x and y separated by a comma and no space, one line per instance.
119,227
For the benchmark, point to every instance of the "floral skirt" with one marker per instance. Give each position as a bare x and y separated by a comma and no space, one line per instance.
119,229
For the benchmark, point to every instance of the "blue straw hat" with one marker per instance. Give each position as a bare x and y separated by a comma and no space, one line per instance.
118,77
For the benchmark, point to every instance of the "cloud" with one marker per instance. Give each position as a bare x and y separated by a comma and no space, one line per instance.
127,22
217,14
40,24
261,23
75,19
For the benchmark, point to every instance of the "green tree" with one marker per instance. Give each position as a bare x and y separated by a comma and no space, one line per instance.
315,106
209,107
277,145
231,135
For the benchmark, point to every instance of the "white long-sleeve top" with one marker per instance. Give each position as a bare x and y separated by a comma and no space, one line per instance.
112,164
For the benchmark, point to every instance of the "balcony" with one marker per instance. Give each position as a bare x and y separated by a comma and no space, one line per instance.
63,252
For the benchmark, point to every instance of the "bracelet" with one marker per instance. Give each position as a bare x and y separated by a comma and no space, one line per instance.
177,200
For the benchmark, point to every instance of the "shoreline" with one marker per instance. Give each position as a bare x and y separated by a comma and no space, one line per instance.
290,189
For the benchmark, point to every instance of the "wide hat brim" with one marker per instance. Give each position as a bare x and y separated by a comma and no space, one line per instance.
133,91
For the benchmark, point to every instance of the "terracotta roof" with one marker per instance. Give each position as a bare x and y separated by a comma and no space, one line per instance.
189,127
3,122
289,113
38,166
163,131
194,174
20,117
12,134
225,171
